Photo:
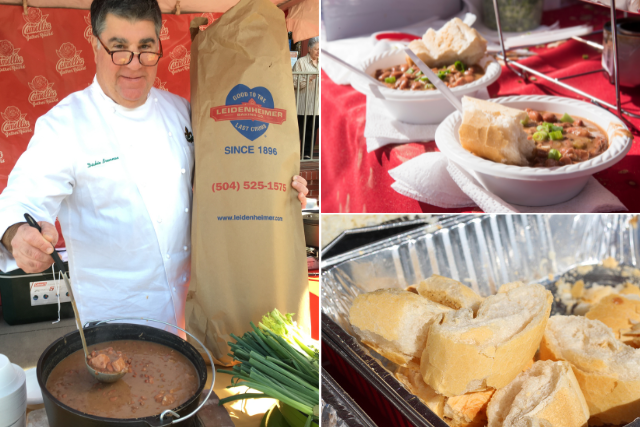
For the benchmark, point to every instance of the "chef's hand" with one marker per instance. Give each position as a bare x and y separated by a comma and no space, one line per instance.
300,185
31,249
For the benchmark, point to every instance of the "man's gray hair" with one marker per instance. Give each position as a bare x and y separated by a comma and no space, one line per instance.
312,42
132,10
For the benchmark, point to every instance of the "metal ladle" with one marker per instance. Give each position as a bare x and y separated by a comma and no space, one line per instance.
104,377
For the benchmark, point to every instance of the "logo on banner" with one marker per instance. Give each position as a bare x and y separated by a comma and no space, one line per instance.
164,31
9,58
70,60
87,31
41,91
181,59
37,25
210,20
159,84
250,111
14,122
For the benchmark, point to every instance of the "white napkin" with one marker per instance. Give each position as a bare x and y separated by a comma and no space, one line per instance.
423,178
381,129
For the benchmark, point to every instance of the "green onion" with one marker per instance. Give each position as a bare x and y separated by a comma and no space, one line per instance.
419,73
566,119
525,121
459,66
424,79
556,135
278,360
390,79
554,154
410,71
442,74
540,136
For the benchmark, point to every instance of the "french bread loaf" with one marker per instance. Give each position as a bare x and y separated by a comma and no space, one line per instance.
464,353
607,370
494,132
547,394
393,322
449,293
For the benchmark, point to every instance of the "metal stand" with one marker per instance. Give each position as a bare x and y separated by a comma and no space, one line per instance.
524,69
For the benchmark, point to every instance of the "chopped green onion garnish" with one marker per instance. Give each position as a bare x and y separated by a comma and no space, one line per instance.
525,121
410,71
459,66
390,79
566,119
442,74
429,86
548,127
424,79
419,73
554,154
540,136
556,135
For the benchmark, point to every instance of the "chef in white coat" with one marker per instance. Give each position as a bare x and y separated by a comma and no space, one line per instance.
114,163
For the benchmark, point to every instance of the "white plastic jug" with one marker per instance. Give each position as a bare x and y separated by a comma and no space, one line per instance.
13,394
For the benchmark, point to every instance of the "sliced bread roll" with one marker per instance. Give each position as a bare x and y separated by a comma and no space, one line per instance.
449,293
468,410
456,41
494,132
393,322
547,394
618,312
421,51
466,353
607,370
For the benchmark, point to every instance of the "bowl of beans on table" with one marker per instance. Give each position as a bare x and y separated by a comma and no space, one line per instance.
409,96
573,140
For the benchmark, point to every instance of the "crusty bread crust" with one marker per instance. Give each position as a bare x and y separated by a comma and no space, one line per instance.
617,312
449,292
546,394
393,322
494,132
466,361
611,399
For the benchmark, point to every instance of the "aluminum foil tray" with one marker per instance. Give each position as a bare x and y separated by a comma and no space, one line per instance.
338,409
482,252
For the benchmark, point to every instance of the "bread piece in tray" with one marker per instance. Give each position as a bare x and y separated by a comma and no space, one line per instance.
547,394
468,410
449,292
394,322
622,314
466,353
607,370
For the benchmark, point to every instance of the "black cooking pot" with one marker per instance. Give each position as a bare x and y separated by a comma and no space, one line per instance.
61,415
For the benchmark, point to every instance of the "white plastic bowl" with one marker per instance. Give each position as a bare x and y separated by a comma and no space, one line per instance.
529,186
419,107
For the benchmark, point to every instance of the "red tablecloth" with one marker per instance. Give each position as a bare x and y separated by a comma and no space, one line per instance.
356,181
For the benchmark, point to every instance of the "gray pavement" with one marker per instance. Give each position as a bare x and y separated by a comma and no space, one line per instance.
23,344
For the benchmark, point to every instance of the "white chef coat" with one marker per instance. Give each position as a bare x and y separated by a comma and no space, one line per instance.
119,181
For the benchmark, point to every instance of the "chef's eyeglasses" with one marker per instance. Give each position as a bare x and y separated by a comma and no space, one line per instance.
124,57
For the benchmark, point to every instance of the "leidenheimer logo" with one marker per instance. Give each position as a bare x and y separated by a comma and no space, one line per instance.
41,91
15,122
9,58
70,60
37,25
250,111
180,59
164,31
87,31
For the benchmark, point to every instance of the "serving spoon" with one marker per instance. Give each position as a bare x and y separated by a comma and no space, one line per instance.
104,377
435,80
352,68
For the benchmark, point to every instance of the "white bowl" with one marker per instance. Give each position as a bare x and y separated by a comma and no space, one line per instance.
538,186
419,107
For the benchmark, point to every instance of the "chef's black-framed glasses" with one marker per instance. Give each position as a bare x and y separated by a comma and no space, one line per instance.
124,57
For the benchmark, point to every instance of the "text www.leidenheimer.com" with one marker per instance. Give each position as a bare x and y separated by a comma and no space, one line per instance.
250,218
